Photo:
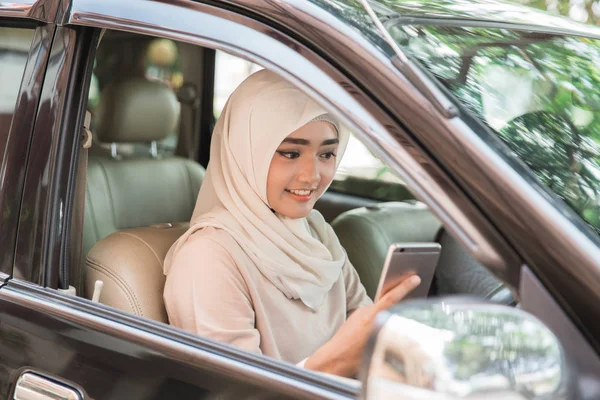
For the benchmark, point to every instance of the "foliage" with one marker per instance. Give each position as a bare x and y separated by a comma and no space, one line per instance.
540,93
586,11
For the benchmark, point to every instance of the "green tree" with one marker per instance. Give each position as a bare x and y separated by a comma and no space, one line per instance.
586,11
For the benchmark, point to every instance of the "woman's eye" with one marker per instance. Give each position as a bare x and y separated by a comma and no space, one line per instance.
328,155
289,154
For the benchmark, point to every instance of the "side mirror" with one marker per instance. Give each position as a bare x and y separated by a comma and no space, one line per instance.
456,348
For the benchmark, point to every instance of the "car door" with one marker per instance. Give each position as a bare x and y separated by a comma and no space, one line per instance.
55,344
25,36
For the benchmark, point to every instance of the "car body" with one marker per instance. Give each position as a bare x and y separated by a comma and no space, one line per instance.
485,196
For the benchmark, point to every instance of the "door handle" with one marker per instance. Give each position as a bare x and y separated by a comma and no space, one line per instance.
31,386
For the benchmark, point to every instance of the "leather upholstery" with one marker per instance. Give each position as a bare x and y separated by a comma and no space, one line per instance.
130,263
367,232
131,193
459,273
136,110
139,190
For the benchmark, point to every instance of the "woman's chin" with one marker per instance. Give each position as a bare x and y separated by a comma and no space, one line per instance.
295,212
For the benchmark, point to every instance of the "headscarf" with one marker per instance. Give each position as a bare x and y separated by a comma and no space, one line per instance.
302,257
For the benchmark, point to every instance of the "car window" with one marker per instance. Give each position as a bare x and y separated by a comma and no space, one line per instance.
360,172
363,174
539,93
123,57
230,71
14,48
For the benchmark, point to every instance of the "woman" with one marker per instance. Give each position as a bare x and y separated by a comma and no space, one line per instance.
259,268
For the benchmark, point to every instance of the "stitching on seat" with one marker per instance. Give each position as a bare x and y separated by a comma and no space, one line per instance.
129,293
160,262
95,225
110,196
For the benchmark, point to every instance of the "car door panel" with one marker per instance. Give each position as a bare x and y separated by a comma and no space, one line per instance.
113,355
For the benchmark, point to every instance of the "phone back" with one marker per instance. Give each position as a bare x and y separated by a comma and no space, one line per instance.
404,259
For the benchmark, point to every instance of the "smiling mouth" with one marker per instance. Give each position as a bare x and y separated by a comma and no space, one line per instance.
304,194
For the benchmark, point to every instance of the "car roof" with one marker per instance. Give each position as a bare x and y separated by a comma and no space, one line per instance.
485,13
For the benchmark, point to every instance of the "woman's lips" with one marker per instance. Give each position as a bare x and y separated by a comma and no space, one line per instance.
301,197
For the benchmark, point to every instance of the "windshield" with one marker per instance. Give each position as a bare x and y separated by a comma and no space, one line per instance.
540,93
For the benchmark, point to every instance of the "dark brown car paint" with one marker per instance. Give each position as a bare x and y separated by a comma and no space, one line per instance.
14,165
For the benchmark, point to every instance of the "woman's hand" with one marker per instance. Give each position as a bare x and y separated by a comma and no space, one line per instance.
341,355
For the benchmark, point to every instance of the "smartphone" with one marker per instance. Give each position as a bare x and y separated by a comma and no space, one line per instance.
404,259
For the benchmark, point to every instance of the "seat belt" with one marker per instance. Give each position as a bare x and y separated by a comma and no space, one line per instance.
76,258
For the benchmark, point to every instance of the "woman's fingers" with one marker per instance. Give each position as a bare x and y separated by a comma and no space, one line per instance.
398,293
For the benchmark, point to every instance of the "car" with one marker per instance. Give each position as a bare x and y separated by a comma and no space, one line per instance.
475,125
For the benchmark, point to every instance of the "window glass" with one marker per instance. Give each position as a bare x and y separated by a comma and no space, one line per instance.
230,71
14,49
360,173
539,92
123,57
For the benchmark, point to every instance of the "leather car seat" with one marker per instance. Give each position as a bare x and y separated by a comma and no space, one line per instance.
459,273
366,233
131,191
130,264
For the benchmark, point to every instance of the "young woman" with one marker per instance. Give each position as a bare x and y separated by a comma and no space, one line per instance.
259,268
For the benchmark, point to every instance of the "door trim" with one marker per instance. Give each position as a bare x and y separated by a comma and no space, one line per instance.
32,10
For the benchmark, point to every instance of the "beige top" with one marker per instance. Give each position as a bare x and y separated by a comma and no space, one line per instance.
208,293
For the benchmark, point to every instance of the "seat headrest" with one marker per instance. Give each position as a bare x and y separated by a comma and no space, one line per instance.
136,110
130,263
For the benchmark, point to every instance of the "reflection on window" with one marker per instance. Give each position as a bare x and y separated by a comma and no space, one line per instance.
14,48
539,92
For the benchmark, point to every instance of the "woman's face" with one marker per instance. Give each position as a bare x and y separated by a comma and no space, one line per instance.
302,168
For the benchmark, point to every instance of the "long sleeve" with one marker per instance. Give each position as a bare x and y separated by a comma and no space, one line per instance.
205,293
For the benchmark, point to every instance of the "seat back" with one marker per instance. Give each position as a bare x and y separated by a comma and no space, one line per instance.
366,233
123,194
127,191
459,273
130,263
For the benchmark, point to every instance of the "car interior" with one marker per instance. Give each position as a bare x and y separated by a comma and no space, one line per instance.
146,165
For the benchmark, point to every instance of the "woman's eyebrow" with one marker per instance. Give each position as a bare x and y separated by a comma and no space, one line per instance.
296,141
306,142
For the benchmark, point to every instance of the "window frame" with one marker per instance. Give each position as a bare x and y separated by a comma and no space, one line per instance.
38,16
319,78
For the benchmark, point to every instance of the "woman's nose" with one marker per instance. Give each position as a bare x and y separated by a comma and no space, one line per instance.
310,173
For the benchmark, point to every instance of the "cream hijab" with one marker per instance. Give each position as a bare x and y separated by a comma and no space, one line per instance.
301,257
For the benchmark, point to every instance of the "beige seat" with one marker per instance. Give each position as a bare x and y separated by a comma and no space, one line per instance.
136,189
130,263
367,232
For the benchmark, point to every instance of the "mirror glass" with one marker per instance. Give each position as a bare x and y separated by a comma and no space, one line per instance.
464,350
